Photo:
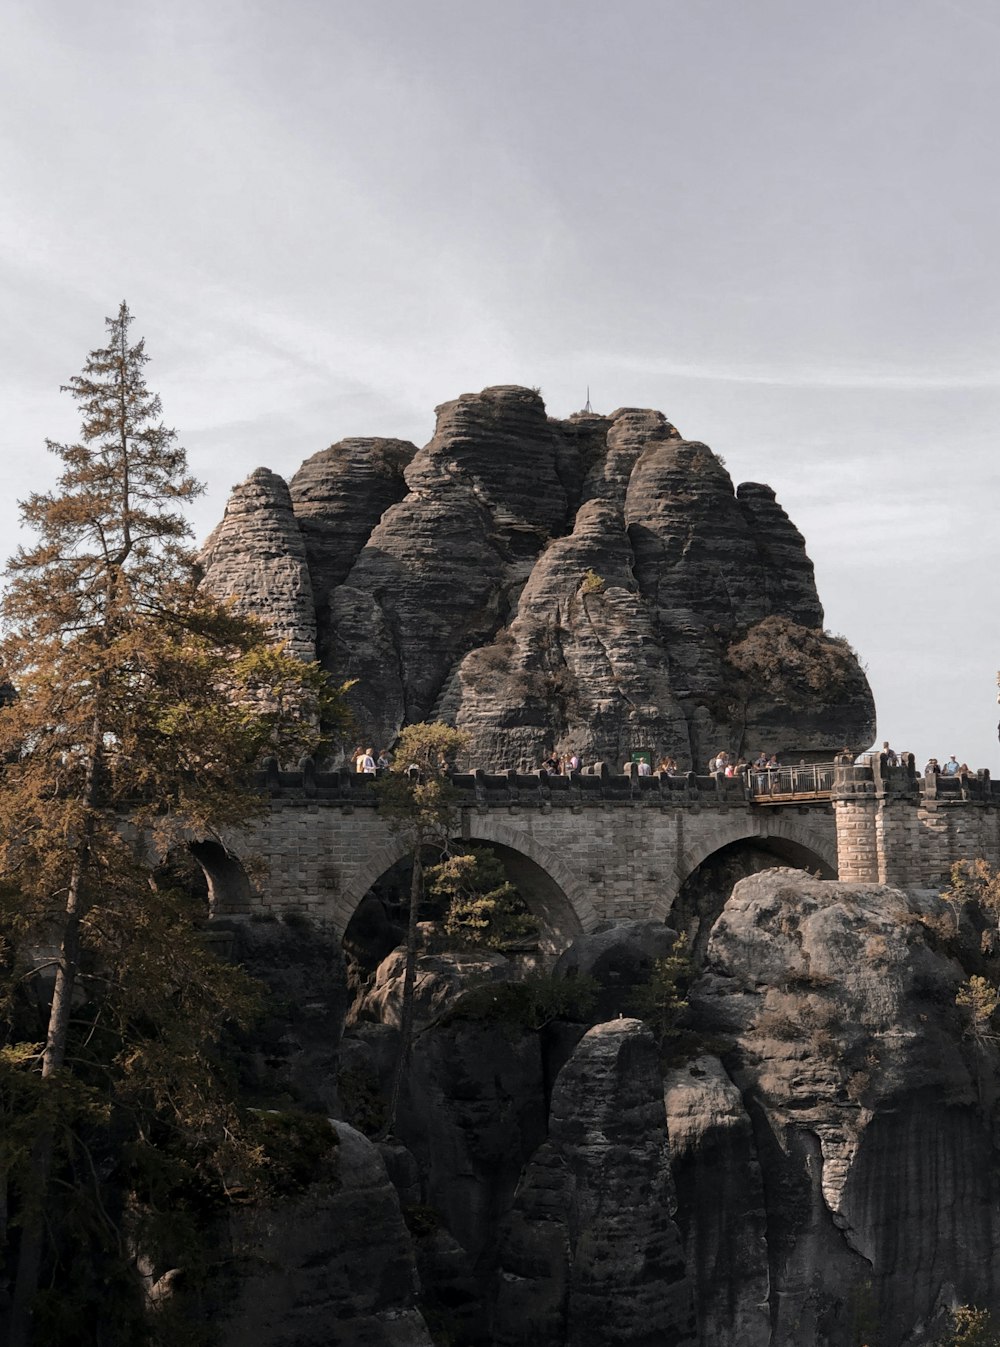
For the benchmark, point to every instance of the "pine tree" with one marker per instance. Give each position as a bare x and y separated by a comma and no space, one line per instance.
138,707
483,906
419,801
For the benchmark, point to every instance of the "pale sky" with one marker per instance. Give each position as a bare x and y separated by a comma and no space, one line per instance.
775,221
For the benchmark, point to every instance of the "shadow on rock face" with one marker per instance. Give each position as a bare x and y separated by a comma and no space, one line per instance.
620,957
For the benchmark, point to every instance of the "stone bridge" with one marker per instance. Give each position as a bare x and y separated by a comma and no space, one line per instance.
581,849
599,847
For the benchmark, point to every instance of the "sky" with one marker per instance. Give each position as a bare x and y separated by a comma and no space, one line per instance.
776,222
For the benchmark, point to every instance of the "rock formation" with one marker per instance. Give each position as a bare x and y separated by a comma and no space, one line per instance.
592,1257
337,1265
339,495
816,1164
854,1135
594,583
257,556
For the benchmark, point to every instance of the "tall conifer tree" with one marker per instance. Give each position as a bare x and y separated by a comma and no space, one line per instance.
138,705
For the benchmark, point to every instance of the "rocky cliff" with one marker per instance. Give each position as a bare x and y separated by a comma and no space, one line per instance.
594,583
810,1162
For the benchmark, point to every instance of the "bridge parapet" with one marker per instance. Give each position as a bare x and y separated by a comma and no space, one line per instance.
541,789
877,778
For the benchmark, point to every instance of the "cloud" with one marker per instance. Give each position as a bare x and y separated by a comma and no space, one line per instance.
883,377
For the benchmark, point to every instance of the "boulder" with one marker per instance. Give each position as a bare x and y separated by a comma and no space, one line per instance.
440,977
619,956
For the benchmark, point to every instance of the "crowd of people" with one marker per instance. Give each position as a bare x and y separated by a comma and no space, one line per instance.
719,764
366,761
933,768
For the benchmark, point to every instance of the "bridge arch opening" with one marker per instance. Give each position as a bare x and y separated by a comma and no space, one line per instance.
378,923
227,882
706,890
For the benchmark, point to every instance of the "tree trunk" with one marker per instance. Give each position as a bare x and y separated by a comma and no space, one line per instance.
409,981
29,1263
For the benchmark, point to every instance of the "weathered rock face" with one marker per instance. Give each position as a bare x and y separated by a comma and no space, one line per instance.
257,556
581,667
619,957
592,1257
439,977
871,1119
336,1266
442,570
829,1159
720,1204
339,495
294,1048
475,1114
594,583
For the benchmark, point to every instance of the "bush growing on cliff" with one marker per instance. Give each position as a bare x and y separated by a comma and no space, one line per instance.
661,1000
975,881
484,907
528,1004
970,1327
979,998
780,656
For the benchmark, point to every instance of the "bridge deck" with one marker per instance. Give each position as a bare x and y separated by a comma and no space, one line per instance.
812,783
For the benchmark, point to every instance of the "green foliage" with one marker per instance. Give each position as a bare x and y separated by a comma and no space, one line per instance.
362,1099
970,1327
484,907
592,583
142,707
419,801
979,998
431,746
526,1005
422,802
976,881
294,1150
778,655
421,1219
660,1001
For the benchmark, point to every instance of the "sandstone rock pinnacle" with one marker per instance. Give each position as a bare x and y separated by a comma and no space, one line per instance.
595,584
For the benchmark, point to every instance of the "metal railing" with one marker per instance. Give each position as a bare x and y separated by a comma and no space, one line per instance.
812,781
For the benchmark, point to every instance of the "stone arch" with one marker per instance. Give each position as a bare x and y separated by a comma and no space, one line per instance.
228,883
798,840
553,894
558,896
375,866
